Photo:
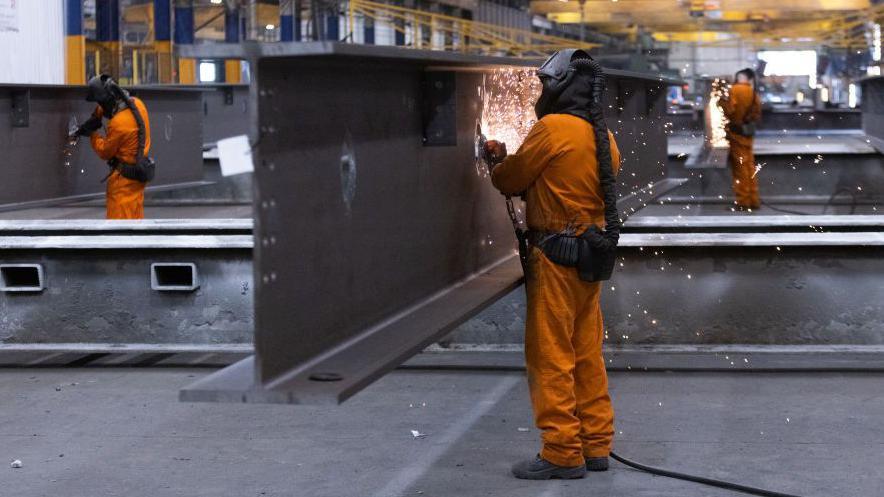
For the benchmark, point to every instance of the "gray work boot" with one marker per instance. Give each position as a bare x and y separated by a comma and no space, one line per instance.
596,463
541,469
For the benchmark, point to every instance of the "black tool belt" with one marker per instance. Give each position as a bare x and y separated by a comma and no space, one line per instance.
588,252
743,129
143,171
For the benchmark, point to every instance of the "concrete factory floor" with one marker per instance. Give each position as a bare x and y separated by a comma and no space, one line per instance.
108,432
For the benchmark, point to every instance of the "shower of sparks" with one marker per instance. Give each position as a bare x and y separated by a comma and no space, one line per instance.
717,121
508,97
758,167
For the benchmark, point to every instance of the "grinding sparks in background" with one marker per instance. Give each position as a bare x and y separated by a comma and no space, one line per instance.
717,121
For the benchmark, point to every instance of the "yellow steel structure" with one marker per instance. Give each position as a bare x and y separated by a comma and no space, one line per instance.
434,31
761,23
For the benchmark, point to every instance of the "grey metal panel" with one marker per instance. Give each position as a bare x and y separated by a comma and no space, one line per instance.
765,223
130,226
225,111
125,242
105,296
402,223
760,295
873,110
718,240
32,167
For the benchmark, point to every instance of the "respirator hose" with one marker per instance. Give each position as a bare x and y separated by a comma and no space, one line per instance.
139,120
607,179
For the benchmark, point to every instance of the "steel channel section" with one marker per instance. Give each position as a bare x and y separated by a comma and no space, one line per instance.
873,110
225,111
33,166
747,295
376,232
846,177
103,295
805,119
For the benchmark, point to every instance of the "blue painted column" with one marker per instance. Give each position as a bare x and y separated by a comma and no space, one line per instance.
107,34
75,43
290,20
232,28
184,35
162,28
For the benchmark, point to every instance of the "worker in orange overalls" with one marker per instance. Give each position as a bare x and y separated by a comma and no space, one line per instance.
742,108
565,170
128,127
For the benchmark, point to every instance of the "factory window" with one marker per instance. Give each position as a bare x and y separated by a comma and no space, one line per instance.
790,63
208,72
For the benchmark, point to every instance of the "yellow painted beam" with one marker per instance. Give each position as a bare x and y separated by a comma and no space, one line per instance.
232,71
75,60
187,71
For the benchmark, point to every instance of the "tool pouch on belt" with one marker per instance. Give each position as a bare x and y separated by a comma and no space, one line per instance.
143,171
590,253
596,256
743,129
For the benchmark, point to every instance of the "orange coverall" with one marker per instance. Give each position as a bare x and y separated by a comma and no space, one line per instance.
556,166
125,197
743,106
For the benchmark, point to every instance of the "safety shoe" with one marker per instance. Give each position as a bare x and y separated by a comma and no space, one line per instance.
541,469
596,463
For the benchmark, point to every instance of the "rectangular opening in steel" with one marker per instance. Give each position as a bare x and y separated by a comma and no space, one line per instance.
21,277
174,276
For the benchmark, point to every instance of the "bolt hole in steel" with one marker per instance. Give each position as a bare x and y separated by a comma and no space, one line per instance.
348,172
167,128
326,377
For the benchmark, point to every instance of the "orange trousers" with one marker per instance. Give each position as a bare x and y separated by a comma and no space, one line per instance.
125,197
566,369
742,162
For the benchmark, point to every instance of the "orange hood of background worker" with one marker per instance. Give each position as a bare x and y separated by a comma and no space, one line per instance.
119,145
558,172
742,108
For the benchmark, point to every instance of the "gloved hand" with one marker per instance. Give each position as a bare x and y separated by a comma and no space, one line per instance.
91,125
495,152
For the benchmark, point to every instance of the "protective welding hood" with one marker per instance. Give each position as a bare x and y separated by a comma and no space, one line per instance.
556,74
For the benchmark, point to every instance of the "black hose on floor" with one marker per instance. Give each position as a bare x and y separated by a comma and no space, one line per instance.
699,479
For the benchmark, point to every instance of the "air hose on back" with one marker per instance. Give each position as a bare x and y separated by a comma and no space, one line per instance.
143,170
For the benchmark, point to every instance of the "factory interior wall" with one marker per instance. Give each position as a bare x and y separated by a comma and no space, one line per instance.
709,61
32,42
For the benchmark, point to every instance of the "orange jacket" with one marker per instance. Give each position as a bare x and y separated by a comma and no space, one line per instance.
556,166
121,141
743,106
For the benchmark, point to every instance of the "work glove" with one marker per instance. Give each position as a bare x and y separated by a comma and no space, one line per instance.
91,125
494,152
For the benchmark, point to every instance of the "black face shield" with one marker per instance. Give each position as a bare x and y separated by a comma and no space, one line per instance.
103,91
558,76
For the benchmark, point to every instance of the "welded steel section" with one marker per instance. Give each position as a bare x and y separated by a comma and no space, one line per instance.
753,224
225,111
778,119
34,167
873,110
816,290
377,230
100,292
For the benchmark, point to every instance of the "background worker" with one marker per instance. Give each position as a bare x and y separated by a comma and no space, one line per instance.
120,145
742,108
565,170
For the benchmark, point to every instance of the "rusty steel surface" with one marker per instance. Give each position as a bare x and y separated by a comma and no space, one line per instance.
377,231
35,121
